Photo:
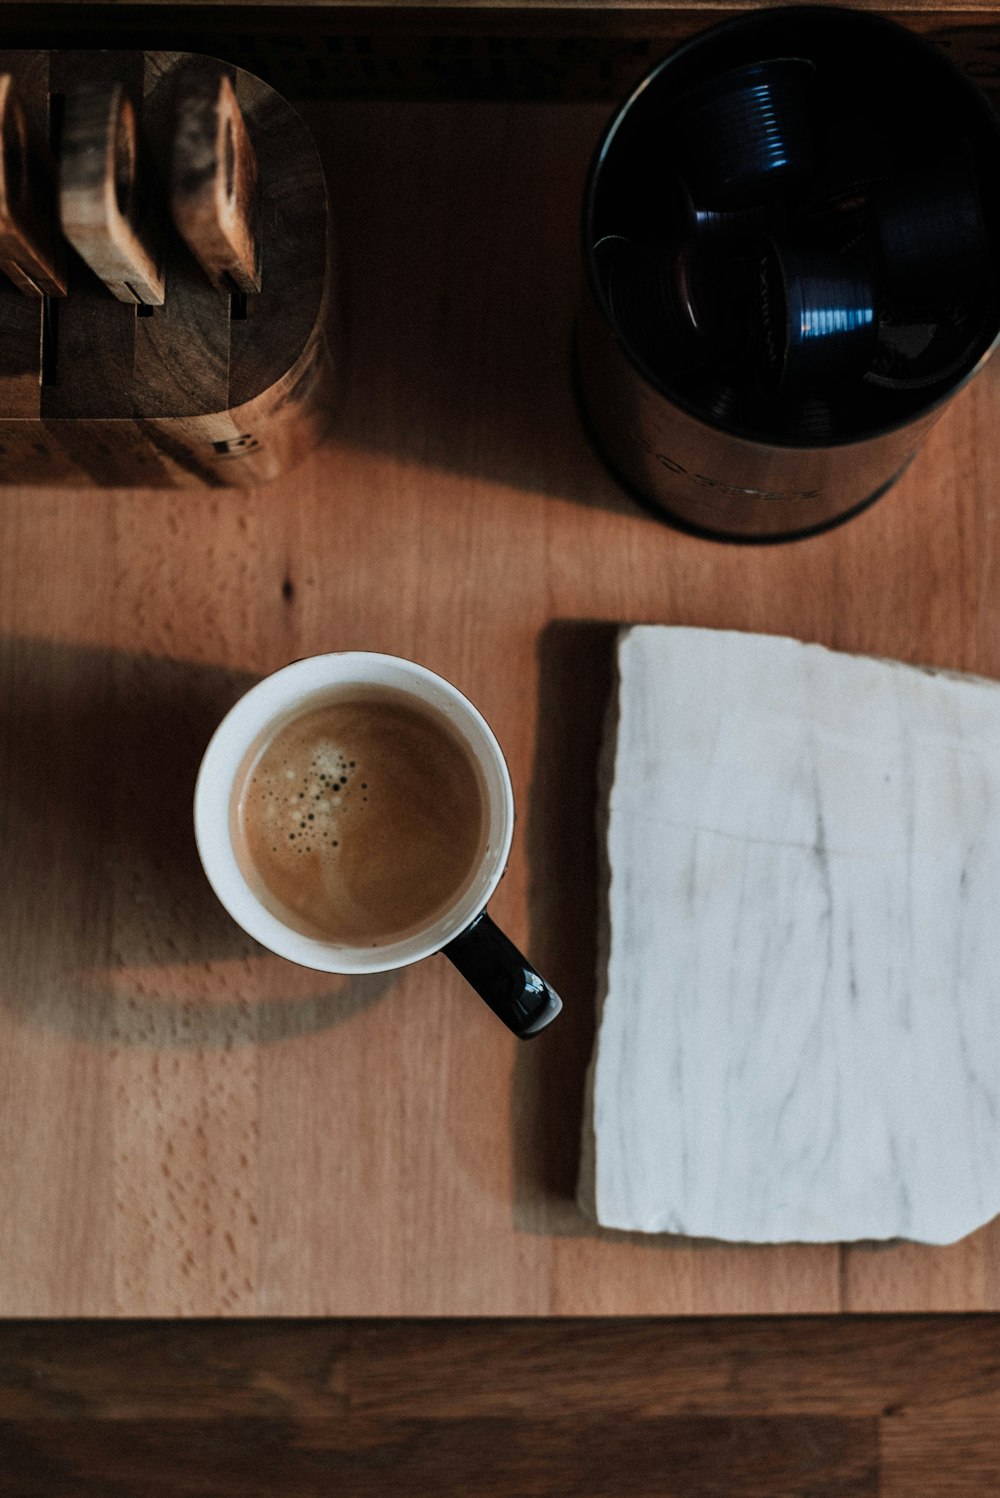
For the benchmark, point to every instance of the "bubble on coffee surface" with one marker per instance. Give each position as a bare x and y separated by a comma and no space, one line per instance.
303,804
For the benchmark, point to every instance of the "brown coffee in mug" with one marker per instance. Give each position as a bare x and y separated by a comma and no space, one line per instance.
362,818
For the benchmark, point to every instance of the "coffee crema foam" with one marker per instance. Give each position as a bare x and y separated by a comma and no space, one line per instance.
362,820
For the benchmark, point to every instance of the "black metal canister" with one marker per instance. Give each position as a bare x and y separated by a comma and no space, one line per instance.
748,467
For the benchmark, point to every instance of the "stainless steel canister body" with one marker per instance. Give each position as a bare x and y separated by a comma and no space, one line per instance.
676,459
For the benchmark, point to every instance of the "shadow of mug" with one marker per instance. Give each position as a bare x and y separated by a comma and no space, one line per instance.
108,929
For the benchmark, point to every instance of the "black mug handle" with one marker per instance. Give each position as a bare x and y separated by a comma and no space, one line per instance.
498,972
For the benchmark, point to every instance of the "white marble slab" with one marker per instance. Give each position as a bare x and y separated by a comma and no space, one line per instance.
799,1028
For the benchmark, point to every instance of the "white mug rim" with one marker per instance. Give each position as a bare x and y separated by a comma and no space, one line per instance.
272,698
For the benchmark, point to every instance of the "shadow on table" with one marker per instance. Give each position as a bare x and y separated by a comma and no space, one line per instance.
108,927
459,277
575,681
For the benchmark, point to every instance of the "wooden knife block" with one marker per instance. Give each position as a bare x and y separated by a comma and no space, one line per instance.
209,389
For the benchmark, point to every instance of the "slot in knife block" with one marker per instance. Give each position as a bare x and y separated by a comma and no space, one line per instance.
209,389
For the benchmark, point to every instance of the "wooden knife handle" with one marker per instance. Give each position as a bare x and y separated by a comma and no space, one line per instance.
31,252
107,198
214,196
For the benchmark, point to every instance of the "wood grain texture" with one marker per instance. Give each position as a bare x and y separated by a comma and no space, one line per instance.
192,1127
680,1458
845,1366
96,331
899,1368
22,317
829,1407
109,203
30,253
945,1456
214,190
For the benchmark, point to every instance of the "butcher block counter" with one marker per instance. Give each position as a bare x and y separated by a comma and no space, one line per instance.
192,1127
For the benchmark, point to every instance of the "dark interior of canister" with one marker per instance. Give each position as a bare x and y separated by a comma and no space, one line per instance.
890,120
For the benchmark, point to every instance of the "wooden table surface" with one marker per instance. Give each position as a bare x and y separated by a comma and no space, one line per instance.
192,1127
792,1407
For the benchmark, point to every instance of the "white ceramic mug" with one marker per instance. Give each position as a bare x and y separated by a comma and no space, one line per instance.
465,933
